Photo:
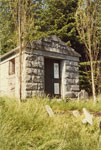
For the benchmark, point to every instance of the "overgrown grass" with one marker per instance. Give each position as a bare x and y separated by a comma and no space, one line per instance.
75,104
27,126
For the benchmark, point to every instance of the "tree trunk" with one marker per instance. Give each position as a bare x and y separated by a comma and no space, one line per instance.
92,78
20,54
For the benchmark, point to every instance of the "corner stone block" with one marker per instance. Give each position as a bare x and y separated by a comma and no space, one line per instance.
28,71
31,86
72,69
71,63
71,75
40,86
40,72
28,94
31,71
40,58
29,78
31,57
28,64
38,79
74,87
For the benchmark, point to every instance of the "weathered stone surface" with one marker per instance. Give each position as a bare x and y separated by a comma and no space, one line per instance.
38,79
72,63
40,86
49,111
31,57
71,75
72,69
38,65
74,88
40,58
82,94
38,93
88,117
49,44
31,86
29,64
35,74
70,95
76,113
31,71
33,67
72,81
28,94
40,72
29,78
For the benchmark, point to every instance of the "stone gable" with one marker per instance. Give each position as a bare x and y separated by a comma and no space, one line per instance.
53,44
34,57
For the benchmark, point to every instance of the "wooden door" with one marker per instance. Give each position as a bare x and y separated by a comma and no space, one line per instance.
52,77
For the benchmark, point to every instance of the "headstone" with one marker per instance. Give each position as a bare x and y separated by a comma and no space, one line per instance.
49,110
88,117
70,95
76,113
82,94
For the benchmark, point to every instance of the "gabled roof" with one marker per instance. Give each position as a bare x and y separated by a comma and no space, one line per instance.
47,44
53,42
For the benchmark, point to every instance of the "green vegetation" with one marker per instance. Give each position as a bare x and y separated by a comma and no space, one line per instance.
27,126
39,19
85,76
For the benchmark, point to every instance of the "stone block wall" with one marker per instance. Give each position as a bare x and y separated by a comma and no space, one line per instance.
71,77
34,75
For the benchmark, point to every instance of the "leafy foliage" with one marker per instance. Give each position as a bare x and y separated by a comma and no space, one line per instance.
85,76
40,18
7,27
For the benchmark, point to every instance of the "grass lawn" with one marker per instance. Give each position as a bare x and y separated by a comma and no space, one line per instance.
27,126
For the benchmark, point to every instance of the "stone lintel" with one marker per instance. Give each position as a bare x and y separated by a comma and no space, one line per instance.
54,55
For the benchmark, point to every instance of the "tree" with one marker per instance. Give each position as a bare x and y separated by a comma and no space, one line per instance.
87,26
58,17
9,22
15,17
7,27
40,19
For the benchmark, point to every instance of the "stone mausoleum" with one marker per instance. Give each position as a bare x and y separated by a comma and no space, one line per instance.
49,67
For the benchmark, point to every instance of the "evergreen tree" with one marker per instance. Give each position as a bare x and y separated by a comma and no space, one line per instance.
57,17
7,27
9,21
40,19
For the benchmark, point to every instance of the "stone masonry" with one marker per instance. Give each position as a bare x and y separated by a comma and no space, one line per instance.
33,74
71,79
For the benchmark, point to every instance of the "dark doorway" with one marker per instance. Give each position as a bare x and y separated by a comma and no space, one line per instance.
52,77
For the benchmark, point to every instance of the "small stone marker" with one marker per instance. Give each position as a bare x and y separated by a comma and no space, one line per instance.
82,95
49,110
76,113
70,95
88,117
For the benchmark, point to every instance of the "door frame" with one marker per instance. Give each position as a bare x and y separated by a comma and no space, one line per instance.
54,80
